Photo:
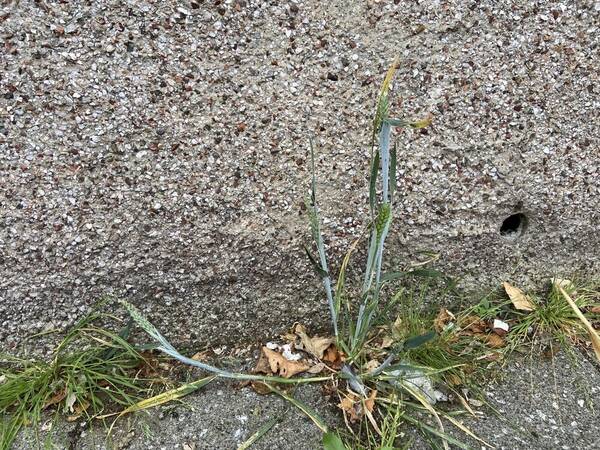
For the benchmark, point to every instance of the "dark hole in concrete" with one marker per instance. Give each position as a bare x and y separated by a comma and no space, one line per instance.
514,225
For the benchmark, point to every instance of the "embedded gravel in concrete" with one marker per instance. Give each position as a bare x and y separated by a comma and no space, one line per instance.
539,404
158,150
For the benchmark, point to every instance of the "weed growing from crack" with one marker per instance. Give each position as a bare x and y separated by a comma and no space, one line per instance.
395,376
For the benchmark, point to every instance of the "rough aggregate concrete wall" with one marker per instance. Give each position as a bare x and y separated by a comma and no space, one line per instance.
158,150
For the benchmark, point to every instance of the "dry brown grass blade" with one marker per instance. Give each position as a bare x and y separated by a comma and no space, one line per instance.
586,323
421,398
464,403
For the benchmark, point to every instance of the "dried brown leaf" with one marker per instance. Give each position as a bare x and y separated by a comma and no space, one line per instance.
56,398
283,367
334,357
370,401
443,318
352,407
262,365
518,298
315,346
494,341
473,324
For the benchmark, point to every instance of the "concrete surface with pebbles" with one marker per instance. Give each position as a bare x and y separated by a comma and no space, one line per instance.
537,404
158,150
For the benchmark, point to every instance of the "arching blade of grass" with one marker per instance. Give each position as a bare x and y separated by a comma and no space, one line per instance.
312,415
259,433
166,347
168,396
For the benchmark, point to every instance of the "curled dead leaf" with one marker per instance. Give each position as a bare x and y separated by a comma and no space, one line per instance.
493,340
518,298
283,367
443,318
316,345
595,309
355,407
472,325
352,407
262,365
334,357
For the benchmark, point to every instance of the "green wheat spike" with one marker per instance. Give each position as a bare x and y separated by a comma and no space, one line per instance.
137,316
382,219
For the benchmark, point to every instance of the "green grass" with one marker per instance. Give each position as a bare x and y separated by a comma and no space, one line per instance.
553,318
90,372
552,322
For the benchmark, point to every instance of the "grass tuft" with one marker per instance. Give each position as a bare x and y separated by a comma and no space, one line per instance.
91,371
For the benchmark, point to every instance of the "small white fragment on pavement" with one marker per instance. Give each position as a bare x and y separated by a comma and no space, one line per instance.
272,346
289,355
